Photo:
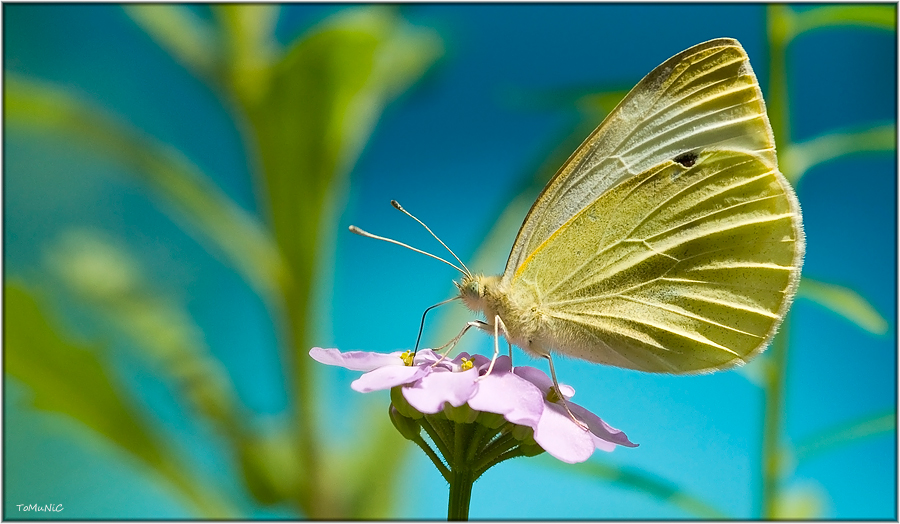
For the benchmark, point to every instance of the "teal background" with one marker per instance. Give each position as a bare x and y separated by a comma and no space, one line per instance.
453,150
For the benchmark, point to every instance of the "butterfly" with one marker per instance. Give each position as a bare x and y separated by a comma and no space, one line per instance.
668,242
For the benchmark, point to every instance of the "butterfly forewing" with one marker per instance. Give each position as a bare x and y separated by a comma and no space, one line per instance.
706,97
679,269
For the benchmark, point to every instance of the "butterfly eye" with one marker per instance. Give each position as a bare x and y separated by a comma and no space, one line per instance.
473,288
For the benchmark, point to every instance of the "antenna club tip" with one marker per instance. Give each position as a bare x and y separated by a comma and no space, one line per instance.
354,229
396,205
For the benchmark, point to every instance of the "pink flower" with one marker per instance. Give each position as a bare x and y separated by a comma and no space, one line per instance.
523,397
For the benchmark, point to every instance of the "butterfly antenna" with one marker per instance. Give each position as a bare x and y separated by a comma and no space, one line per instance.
400,208
360,232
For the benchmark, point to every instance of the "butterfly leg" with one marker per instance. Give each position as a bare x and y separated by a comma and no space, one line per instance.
498,323
562,397
455,340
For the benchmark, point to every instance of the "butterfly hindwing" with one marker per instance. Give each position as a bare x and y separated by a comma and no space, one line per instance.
677,269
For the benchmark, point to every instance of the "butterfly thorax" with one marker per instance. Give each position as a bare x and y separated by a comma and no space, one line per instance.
519,309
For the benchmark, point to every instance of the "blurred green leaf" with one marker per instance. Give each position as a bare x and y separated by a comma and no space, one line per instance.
641,481
799,158
69,379
491,255
320,104
323,100
757,370
845,302
592,101
106,276
187,194
871,16
846,433
179,31
600,102
805,501
268,461
377,454
248,33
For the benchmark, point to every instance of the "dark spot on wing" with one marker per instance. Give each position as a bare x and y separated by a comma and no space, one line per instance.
687,159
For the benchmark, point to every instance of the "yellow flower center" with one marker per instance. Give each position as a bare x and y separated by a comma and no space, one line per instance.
466,364
407,358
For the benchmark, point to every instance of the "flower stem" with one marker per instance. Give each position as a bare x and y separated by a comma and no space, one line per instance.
511,453
435,459
461,481
432,426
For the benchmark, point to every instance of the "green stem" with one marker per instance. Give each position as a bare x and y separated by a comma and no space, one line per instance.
481,435
432,427
308,494
772,423
461,481
506,455
777,100
435,459
488,457
780,18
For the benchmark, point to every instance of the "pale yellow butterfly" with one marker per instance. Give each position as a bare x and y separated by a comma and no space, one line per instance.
668,242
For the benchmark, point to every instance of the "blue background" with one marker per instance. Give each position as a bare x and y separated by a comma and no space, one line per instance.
453,150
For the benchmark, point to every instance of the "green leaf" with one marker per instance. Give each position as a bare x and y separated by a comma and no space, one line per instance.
324,98
869,16
641,481
847,433
69,379
179,31
805,501
799,158
268,462
319,107
248,35
373,470
186,193
593,102
491,255
757,371
104,275
845,302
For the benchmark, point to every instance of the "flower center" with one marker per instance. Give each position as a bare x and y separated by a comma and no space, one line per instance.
407,358
466,364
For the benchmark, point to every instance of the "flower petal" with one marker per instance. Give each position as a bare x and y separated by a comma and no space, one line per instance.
558,434
356,360
502,365
541,380
429,394
388,377
601,429
426,356
518,400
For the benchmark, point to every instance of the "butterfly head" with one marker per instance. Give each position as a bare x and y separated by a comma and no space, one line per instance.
473,289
